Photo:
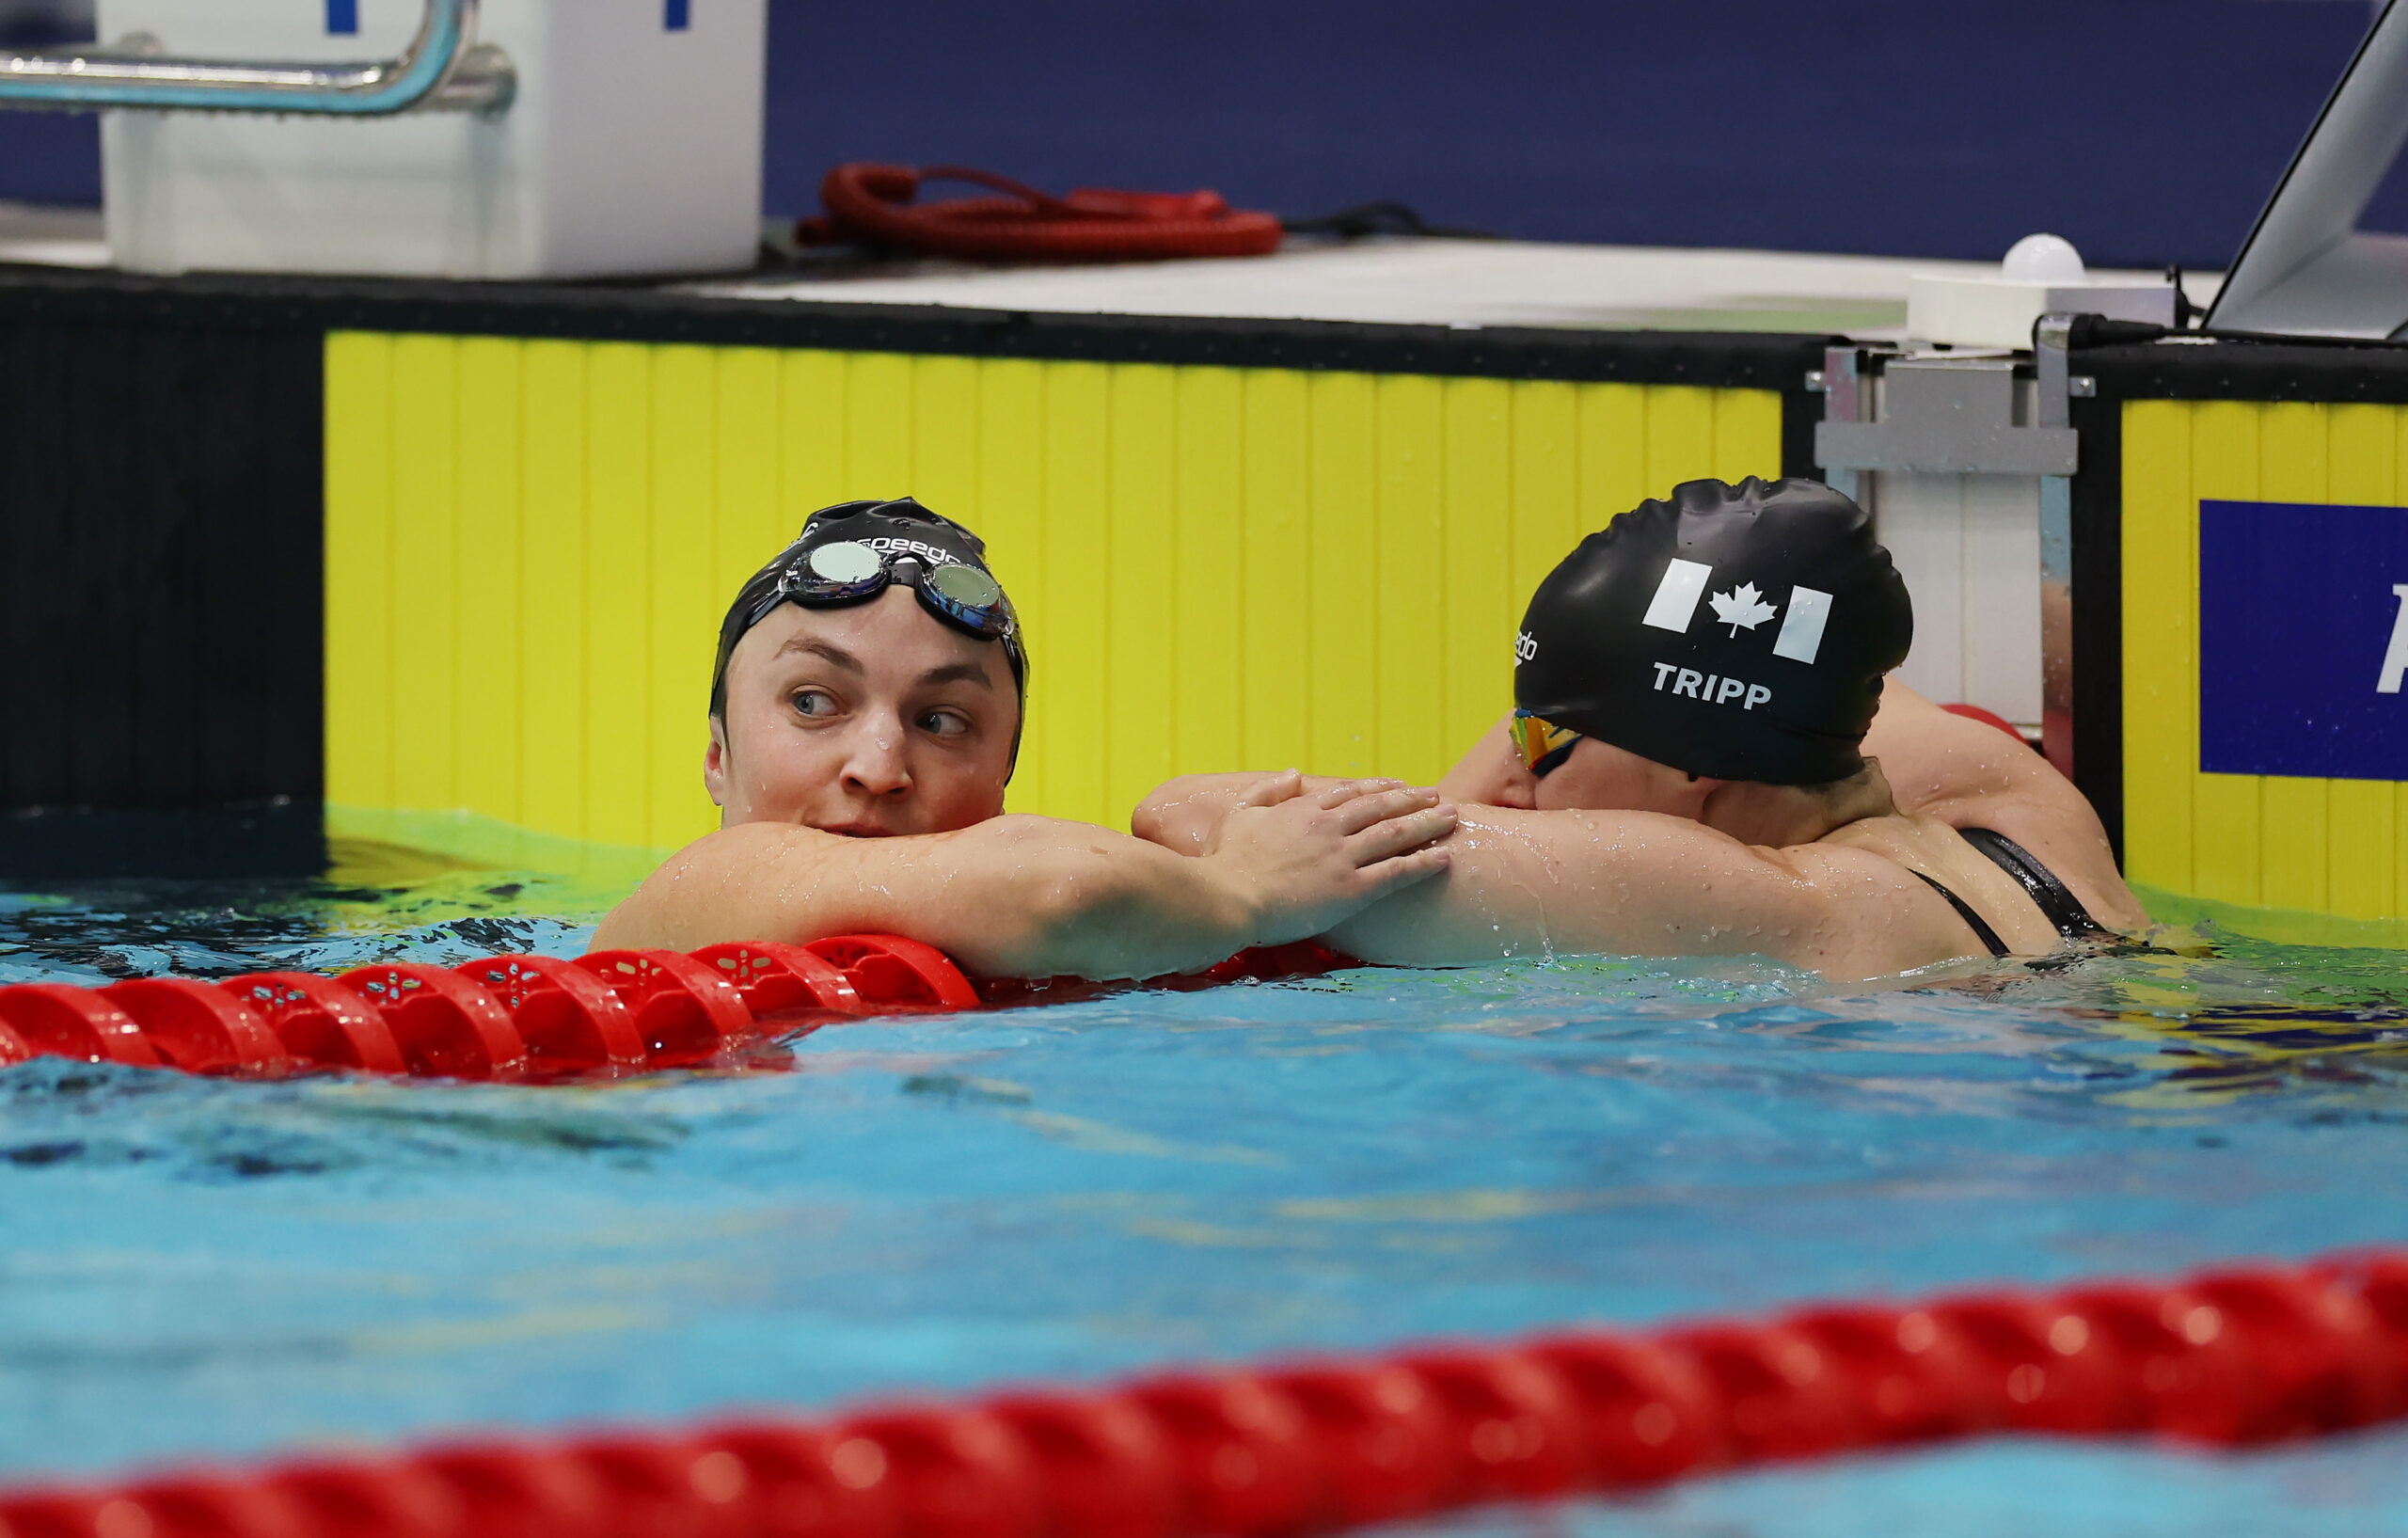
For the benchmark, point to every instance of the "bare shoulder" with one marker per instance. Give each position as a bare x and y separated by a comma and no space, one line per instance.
1967,774
1872,915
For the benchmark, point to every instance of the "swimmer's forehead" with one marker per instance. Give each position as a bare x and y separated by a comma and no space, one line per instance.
890,634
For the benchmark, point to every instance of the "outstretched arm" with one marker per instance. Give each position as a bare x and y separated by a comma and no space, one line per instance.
1025,897
1639,883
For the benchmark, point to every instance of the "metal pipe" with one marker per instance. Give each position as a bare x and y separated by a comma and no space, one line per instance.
444,68
2052,336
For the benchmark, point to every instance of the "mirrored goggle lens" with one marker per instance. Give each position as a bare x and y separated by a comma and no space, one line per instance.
844,562
966,586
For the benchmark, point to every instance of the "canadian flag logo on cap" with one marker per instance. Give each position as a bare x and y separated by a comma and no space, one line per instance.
1685,582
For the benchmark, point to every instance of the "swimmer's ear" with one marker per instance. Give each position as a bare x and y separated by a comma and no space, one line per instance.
714,762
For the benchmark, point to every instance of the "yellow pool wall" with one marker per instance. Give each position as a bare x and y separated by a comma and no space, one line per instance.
529,545
2280,842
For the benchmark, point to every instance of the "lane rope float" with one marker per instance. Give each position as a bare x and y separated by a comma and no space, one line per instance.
509,1018
2228,1357
540,1018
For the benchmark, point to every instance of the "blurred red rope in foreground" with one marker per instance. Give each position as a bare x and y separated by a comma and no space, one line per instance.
538,1019
515,1019
2227,1357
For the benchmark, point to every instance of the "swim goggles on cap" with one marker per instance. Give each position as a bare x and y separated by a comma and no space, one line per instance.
846,571
1543,745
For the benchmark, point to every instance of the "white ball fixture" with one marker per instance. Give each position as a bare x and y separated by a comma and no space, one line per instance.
2043,259
1974,306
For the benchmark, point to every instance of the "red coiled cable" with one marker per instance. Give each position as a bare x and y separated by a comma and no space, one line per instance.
877,203
2231,1357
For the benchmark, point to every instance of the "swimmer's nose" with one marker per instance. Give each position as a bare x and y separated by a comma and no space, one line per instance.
875,766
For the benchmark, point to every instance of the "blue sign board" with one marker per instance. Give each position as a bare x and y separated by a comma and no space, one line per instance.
2303,640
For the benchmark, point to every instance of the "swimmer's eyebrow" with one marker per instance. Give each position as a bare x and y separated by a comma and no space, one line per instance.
836,655
958,672
951,673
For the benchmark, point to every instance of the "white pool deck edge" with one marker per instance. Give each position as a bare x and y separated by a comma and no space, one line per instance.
1384,281
1463,283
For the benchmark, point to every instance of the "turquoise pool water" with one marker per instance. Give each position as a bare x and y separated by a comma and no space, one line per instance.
192,1268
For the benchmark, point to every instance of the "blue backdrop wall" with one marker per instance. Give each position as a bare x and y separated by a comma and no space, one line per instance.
2145,131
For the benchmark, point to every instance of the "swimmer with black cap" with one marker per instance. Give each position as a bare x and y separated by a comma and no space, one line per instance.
1707,757
866,715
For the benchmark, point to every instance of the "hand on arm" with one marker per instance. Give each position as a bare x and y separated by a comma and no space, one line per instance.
1035,896
1184,814
1312,856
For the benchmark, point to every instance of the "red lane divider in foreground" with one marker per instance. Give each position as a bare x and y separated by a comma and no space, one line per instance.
52,1020
322,1023
504,1018
2228,1357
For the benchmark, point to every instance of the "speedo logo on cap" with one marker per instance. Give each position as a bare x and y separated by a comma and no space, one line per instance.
896,544
1685,582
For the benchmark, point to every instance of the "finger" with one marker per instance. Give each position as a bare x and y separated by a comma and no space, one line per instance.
1363,810
1274,789
1342,791
1405,871
1396,836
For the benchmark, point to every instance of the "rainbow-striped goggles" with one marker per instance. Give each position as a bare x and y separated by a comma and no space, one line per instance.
1542,744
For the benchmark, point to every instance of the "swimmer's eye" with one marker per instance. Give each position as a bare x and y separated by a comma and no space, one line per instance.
945,724
815,703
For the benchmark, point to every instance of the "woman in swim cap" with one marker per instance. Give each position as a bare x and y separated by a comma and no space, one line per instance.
1696,764
864,717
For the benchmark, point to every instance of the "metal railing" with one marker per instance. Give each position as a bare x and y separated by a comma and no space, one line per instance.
444,69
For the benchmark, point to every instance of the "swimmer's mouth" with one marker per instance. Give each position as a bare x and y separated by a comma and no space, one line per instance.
858,829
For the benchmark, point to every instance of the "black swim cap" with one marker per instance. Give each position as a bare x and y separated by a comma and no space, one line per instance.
1739,632
900,527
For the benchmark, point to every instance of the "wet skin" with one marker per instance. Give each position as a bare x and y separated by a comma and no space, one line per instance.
1614,854
860,771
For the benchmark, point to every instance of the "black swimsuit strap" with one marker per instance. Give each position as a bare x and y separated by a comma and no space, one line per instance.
2056,900
1982,931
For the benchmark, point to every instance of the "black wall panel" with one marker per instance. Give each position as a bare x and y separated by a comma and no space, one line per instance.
161,532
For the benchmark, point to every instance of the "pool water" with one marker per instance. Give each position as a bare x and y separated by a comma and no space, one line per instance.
193,1268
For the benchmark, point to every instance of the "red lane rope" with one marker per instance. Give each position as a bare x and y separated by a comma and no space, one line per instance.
517,1019
538,1019
876,204
2227,1357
